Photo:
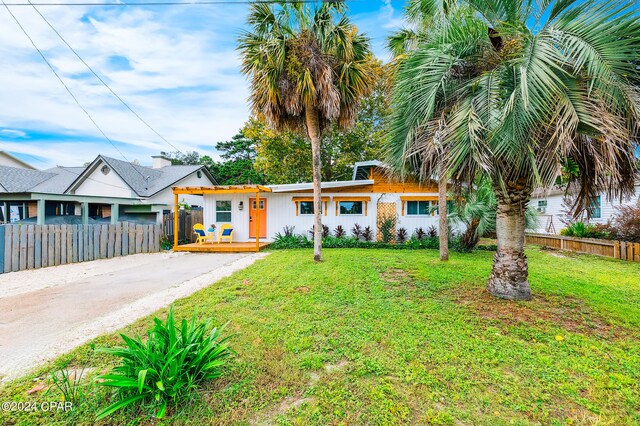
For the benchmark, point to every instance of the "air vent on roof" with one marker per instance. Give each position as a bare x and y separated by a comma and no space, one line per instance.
105,170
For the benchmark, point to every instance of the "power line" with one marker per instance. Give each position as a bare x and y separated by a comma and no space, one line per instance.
174,3
104,83
67,87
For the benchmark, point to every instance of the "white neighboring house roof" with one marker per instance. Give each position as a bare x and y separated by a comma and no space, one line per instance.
294,187
15,161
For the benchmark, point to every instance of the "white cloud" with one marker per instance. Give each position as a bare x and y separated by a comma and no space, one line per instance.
11,133
183,80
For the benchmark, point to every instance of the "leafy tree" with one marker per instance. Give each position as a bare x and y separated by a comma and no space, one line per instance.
309,67
238,165
282,156
507,90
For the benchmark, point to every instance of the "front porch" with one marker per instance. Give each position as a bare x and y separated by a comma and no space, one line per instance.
245,247
248,224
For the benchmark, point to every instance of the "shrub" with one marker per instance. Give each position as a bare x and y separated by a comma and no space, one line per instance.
339,231
626,224
367,234
402,236
387,229
356,231
582,230
289,241
172,362
325,231
165,244
288,231
419,233
432,231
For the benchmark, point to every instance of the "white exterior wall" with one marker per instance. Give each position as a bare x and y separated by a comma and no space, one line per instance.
554,209
109,185
281,212
10,161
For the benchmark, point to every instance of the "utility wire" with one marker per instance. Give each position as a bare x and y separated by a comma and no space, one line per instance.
104,83
182,3
67,87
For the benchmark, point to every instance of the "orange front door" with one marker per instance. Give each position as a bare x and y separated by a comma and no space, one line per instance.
254,217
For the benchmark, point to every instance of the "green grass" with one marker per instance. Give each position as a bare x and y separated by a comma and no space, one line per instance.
396,337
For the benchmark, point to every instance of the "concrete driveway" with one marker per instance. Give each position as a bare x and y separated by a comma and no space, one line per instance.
47,312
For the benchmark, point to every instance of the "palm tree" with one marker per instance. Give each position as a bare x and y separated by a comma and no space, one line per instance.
424,17
309,67
522,86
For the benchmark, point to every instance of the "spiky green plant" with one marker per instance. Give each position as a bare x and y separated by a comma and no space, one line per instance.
309,66
508,90
174,360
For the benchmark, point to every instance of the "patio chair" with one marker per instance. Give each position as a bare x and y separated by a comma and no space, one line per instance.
198,229
226,231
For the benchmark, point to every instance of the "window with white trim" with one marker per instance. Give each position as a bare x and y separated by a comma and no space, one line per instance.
596,208
418,208
306,207
223,211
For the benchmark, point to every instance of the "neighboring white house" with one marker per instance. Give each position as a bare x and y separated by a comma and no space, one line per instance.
10,160
107,189
552,210
367,200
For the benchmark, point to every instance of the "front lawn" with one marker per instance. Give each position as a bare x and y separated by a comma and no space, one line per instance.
396,337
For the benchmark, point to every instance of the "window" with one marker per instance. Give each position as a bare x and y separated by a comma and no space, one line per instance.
542,206
306,207
223,211
350,207
418,208
596,208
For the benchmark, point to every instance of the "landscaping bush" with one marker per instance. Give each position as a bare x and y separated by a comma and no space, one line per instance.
432,231
290,241
367,234
356,231
339,231
419,234
173,361
581,230
325,231
387,229
402,236
625,225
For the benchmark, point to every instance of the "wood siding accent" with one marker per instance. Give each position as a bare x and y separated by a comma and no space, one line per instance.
38,246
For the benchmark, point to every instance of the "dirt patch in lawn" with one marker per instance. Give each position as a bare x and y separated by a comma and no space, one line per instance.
566,312
397,278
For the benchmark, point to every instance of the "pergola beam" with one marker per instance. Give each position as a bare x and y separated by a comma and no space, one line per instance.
226,189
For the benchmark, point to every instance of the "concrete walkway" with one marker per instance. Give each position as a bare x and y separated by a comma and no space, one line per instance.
47,312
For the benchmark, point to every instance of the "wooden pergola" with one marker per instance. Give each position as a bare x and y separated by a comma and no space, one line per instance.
218,189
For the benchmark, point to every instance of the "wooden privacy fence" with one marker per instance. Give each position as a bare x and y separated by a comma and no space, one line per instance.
616,249
186,220
37,246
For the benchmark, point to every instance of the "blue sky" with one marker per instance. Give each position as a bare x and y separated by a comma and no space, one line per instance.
176,66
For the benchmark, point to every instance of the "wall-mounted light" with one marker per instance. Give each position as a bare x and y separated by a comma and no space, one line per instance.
240,205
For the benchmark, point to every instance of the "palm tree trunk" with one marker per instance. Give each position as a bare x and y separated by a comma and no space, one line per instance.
442,211
313,130
510,273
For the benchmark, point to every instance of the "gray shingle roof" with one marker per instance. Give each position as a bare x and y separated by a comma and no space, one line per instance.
147,181
15,179
62,178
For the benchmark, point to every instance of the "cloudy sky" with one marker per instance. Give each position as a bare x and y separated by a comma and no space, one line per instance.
175,65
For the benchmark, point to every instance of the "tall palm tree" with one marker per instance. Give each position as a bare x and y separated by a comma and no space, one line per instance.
309,67
521,86
423,18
